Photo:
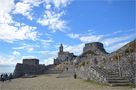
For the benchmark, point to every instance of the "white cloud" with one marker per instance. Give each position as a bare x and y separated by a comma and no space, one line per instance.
111,41
53,13
76,49
30,49
86,38
48,61
116,32
26,47
58,3
51,18
6,6
53,21
48,6
16,53
10,33
46,43
50,55
33,2
11,30
61,3
25,7
117,46
19,48
91,38
8,59
28,57
74,36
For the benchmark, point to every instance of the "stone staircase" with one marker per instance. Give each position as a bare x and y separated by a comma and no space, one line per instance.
112,78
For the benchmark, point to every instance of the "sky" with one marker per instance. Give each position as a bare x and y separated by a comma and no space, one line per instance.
36,28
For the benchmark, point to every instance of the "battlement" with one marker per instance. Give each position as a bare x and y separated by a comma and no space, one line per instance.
32,61
94,47
94,44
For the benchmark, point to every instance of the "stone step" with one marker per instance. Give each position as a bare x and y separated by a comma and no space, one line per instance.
106,72
118,81
112,76
117,78
120,84
110,73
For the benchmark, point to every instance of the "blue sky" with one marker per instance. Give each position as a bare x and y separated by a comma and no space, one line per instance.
35,28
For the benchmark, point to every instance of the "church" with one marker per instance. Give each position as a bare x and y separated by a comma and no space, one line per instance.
63,56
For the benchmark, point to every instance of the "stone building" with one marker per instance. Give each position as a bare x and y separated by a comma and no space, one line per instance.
63,56
31,61
30,67
96,47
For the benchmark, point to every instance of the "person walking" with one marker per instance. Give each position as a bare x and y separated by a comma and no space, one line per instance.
75,76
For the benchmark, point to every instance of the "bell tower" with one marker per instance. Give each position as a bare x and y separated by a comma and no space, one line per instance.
61,48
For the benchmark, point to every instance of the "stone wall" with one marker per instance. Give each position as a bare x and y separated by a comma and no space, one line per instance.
96,47
22,69
122,61
30,67
90,73
31,61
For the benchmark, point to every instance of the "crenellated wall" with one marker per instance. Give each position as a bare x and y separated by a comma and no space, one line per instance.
96,47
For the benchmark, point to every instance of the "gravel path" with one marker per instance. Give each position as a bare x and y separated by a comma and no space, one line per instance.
50,82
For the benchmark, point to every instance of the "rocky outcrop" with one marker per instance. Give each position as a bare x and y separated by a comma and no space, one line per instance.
93,54
101,75
122,62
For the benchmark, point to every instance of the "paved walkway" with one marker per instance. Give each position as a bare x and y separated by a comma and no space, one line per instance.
50,82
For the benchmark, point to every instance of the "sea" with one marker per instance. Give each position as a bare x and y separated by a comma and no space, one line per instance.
6,69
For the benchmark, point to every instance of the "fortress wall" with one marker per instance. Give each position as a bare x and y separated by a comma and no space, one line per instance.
95,47
31,61
22,69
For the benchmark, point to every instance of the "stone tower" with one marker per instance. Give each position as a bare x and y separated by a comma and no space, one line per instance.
61,48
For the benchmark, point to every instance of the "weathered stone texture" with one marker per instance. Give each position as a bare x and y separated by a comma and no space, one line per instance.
90,73
95,47
122,61
31,61
29,67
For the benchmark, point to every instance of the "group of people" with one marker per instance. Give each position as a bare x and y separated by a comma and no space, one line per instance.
4,77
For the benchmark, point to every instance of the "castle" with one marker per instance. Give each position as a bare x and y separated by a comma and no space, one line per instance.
28,66
63,56
116,68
